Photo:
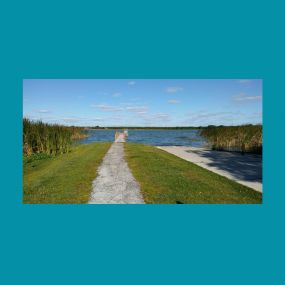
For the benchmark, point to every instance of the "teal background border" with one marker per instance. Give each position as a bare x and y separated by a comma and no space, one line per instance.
151,244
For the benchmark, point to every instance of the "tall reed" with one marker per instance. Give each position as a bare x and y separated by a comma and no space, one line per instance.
245,138
39,137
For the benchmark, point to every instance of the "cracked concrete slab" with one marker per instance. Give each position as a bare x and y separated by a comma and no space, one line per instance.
115,183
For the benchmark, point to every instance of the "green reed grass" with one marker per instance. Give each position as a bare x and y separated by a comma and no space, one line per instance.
245,138
39,137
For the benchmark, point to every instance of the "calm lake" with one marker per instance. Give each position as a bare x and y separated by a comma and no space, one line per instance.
152,137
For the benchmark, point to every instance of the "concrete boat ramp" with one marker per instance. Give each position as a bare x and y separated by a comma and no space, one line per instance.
245,169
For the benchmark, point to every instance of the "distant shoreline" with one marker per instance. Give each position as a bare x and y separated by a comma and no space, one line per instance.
143,128
165,128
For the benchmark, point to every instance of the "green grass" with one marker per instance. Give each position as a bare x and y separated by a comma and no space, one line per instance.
62,179
165,178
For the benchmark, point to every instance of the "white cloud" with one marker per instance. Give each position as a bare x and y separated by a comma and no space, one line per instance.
173,101
42,111
158,119
117,94
173,89
68,120
137,109
114,118
126,107
208,115
71,119
204,118
82,120
131,83
100,93
107,108
162,117
243,97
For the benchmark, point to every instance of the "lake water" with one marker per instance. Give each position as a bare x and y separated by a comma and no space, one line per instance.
151,137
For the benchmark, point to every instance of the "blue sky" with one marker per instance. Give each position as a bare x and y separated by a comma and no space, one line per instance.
141,102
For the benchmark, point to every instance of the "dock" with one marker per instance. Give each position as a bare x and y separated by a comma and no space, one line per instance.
121,137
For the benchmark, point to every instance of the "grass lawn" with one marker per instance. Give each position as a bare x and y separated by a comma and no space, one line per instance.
165,178
63,179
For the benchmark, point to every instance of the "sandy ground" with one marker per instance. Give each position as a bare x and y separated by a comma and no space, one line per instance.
245,169
115,183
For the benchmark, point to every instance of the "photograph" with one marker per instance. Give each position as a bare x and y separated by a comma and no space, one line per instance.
142,141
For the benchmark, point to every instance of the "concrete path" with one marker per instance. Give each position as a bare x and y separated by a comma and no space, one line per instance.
245,169
115,183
